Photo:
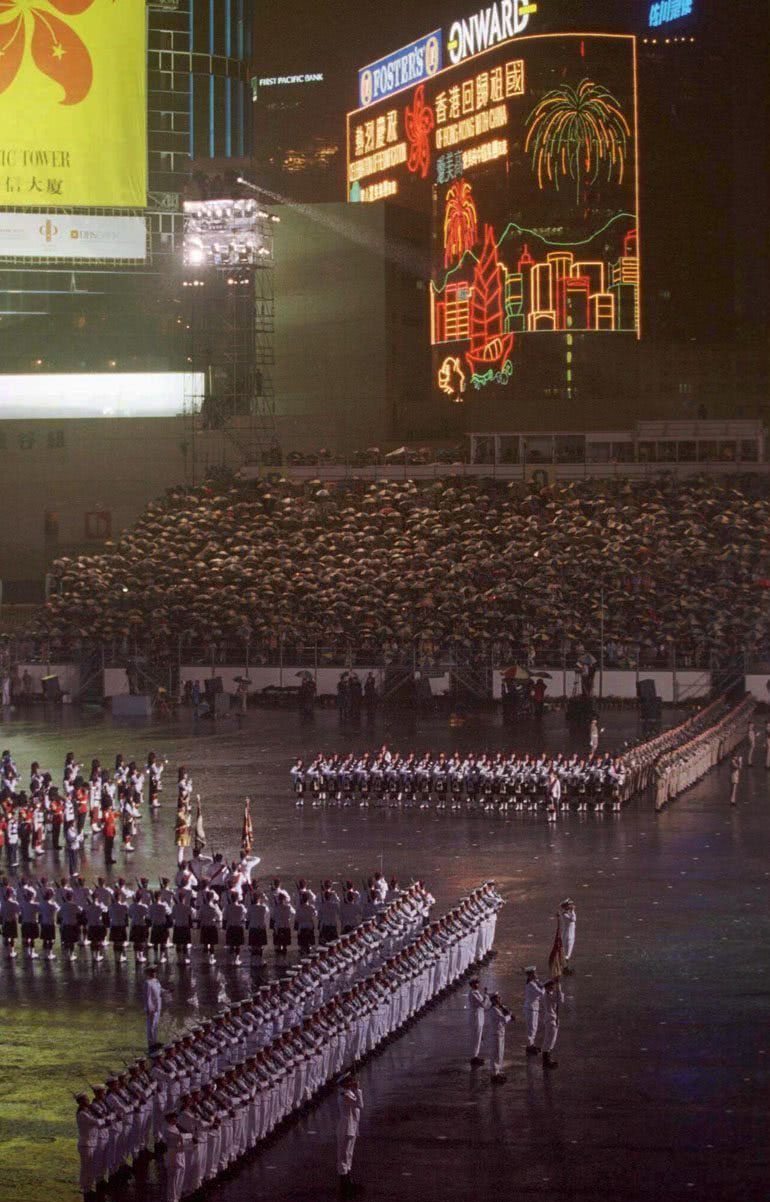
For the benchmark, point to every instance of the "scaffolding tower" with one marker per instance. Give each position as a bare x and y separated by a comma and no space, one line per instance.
230,316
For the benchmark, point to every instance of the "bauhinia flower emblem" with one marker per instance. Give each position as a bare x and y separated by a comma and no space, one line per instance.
419,121
56,49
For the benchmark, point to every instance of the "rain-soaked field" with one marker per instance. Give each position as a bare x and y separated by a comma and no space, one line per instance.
662,1089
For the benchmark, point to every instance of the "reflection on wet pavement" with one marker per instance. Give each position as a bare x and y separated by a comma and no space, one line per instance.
662,1086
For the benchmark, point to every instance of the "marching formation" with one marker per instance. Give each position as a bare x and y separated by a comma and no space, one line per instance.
681,767
209,901
219,1091
45,815
455,782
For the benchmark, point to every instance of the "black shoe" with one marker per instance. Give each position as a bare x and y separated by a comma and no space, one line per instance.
498,1079
532,1050
548,1061
568,972
476,1060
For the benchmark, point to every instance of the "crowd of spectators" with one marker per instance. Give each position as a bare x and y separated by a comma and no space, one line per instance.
459,569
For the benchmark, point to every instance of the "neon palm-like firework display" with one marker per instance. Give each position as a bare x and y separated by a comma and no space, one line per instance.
525,161
460,222
574,133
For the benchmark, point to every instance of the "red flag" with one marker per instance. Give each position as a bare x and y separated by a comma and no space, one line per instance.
556,958
247,834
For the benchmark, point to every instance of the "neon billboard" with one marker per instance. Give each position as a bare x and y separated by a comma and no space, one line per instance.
526,158
402,69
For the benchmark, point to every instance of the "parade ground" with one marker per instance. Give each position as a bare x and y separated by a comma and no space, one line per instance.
662,1086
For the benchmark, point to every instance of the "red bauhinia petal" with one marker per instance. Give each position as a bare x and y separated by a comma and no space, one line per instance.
60,54
71,8
11,50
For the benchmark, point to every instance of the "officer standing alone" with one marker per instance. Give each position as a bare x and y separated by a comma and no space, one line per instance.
351,1103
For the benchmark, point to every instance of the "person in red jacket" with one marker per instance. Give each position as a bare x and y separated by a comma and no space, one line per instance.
56,810
109,831
81,804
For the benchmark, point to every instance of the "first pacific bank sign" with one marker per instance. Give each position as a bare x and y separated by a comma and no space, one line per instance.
419,60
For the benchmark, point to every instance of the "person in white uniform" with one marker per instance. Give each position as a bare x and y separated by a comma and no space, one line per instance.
351,1103
89,1127
736,763
567,922
498,1018
552,998
533,993
177,1144
152,997
751,738
478,1004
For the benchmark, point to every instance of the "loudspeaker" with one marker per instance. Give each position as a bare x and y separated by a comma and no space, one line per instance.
51,690
646,691
212,685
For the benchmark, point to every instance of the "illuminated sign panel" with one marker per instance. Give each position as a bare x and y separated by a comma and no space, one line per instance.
66,236
72,104
526,157
668,10
487,28
224,233
402,69
283,81
99,394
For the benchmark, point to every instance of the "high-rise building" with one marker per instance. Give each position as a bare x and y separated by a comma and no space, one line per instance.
106,315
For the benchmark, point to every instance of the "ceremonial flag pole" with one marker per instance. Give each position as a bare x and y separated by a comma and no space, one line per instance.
247,834
200,835
556,958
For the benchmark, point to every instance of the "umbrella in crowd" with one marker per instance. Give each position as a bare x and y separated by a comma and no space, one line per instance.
454,563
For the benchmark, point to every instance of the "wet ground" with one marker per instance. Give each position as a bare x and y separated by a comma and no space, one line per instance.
662,1085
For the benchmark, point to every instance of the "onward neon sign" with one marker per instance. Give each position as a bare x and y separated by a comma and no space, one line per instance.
488,27
498,22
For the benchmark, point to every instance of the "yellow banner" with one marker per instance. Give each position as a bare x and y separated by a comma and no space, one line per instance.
73,109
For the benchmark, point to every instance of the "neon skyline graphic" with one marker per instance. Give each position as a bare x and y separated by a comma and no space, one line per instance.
486,299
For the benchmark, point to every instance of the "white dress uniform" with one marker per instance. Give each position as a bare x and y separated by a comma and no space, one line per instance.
88,1147
551,1000
152,997
498,1019
299,1057
177,1144
533,993
351,1103
478,1004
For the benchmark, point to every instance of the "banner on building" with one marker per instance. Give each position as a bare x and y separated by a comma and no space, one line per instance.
67,236
73,124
